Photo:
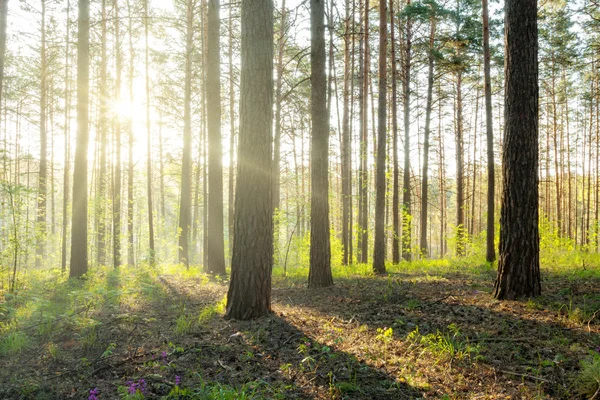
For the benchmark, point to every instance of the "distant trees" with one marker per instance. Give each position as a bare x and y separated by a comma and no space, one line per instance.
249,294
518,262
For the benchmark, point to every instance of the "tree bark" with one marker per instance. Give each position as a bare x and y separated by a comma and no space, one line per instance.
346,145
490,254
363,206
43,168
380,182
406,209
130,189
249,294
320,252
67,143
425,182
518,262
216,245
152,252
117,185
79,229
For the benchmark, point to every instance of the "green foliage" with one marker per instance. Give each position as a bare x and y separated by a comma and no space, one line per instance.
587,382
445,345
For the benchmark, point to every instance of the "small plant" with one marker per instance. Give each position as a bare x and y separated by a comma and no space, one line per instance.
94,394
587,382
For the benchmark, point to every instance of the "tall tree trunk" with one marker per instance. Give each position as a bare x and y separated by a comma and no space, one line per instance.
490,253
320,252
249,294
215,250
397,233
518,262
346,144
100,203
380,186
79,229
185,196
406,210
230,209
460,198
130,189
425,183
67,143
3,23
278,107
43,171
363,206
117,186
152,252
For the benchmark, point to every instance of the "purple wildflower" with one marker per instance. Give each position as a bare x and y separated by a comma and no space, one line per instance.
163,355
94,394
131,387
598,349
142,386
177,380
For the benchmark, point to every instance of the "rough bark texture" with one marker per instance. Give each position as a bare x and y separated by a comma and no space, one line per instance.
490,254
249,294
380,182
518,262
278,109
320,252
79,229
3,22
425,182
216,245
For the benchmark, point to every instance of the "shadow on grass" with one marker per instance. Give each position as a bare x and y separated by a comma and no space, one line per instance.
439,317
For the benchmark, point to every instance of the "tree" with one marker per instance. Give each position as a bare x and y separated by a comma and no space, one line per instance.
102,137
346,145
3,23
406,209
67,142
117,183
396,165
518,261
320,251
149,144
186,181
43,171
79,229
425,177
216,249
380,182
363,173
490,254
130,189
249,294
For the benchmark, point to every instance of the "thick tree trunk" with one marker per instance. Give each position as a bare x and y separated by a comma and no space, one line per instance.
79,229
230,209
380,183
320,252
216,249
518,262
425,183
490,254
249,294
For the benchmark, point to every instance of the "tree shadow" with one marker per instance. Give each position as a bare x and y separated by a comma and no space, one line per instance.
523,341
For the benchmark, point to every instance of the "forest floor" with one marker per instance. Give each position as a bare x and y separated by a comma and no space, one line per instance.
420,332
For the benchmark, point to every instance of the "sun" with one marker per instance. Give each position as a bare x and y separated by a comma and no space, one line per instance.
122,109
